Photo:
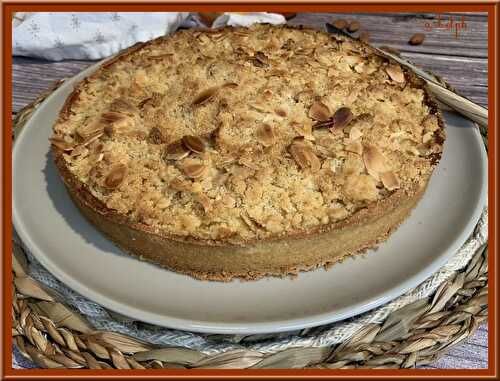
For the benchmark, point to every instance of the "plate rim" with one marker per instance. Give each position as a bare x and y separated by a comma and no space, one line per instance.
238,328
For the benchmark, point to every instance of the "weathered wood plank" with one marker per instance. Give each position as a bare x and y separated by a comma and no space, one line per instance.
395,30
472,354
480,337
479,15
30,77
469,76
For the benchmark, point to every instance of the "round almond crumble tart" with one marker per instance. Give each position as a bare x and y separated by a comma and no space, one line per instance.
246,152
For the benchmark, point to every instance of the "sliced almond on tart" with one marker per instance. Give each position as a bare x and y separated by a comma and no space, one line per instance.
115,176
390,180
205,96
194,170
304,156
265,135
395,73
374,161
194,143
319,111
175,151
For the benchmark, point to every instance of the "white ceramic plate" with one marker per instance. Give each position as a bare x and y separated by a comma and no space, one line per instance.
77,254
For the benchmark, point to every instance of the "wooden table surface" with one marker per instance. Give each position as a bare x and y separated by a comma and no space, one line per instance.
458,54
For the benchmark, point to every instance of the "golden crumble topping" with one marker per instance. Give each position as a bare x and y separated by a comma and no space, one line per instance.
243,133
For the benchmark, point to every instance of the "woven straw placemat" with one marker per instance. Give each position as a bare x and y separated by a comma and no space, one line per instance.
55,327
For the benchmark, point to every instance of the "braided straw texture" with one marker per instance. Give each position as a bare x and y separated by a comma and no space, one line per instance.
50,322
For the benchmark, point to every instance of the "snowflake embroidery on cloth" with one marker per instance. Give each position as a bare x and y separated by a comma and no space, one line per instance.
133,28
75,22
58,43
99,37
115,16
34,28
16,46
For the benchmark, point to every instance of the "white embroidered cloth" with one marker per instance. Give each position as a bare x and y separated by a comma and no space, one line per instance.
57,36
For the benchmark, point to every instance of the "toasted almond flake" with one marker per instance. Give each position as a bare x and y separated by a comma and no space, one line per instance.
355,147
79,151
96,157
194,143
303,129
175,151
89,131
160,57
115,176
156,136
231,85
260,60
180,185
303,95
268,94
374,161
112,116
390,180
355,133
196,187
205,201
352,60
220,178
205,96
427,137
323,152
342,117
319,111
275,73
92,138
204,39
194,170
417,39
252,225
163,203
298,155
249,162
61,143
304,51
354,26
122,106
322,55
259,107
265,135
280,112
304,156
146,102
339,23
395,73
